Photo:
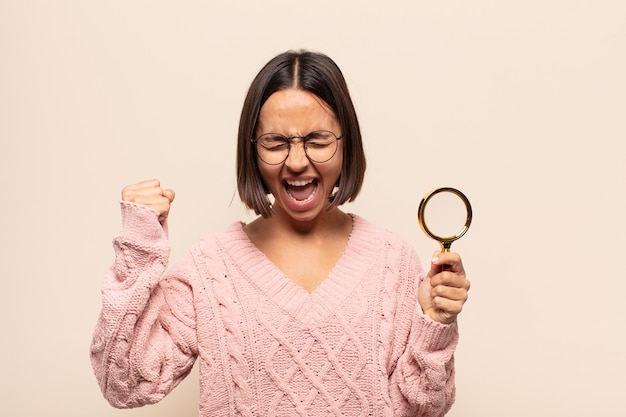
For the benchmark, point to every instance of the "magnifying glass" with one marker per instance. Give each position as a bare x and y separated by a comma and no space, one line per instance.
445,208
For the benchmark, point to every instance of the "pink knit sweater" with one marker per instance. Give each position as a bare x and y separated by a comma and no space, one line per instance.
359,345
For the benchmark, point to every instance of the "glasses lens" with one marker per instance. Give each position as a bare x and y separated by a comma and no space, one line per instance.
320,145
272,148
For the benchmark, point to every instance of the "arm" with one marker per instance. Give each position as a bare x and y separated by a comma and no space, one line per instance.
144,342
424,373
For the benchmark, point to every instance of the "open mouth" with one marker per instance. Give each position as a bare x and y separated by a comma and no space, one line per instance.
301,190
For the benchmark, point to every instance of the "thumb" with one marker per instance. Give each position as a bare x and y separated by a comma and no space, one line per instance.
170,194
435,264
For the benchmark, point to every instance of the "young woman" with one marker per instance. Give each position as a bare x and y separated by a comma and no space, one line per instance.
307,310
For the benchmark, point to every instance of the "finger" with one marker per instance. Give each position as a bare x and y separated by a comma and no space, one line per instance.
134,195
450,279
450,308
162,206
151,200
143,184
452,259
450,293
150,187
147,183
449,261
169,194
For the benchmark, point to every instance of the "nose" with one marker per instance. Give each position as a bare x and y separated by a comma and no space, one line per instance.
297,159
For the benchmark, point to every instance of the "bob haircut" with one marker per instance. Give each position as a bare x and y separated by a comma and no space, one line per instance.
318,74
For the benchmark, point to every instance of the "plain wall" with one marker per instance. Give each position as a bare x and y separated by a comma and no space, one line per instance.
521,105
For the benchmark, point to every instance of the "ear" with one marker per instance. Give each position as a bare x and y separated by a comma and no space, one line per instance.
333,194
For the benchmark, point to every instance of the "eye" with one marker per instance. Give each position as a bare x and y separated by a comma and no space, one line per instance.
273,142
319,139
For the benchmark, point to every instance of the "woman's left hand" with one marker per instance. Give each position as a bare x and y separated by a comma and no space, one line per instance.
444,290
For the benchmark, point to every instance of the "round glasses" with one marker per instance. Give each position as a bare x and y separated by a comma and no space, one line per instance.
319,146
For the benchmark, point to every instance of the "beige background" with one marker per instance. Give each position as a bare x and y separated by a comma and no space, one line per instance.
519,104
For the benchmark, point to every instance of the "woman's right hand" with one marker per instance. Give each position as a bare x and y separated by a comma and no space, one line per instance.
150,194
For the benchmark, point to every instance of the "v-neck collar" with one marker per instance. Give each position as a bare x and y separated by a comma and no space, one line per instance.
310,308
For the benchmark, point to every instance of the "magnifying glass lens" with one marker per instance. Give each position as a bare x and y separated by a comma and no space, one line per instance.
446,214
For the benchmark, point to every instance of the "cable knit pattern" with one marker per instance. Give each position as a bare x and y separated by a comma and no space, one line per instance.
358,345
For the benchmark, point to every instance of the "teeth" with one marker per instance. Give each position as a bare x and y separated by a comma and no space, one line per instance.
306,200
300,183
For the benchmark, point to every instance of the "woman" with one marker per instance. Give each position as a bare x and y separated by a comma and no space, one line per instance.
305,311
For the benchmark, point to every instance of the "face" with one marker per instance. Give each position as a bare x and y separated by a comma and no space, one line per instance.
301,188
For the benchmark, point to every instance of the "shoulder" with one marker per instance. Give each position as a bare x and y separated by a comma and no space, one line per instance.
386,245
231,238
208,255
377,234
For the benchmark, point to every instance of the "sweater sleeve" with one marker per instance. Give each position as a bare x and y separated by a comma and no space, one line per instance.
144,343
424,373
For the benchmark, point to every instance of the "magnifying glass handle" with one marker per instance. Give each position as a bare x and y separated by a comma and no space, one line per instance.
445,247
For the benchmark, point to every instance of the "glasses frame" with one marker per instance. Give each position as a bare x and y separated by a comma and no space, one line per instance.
304,141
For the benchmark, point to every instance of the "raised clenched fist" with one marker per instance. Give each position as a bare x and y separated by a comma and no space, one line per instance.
150,194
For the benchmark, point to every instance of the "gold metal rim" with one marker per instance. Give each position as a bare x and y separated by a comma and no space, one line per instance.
445,241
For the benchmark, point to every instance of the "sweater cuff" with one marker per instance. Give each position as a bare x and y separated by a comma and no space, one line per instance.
141,248
142,222
432,336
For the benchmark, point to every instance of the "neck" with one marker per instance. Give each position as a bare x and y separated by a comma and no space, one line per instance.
329,223
324,223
